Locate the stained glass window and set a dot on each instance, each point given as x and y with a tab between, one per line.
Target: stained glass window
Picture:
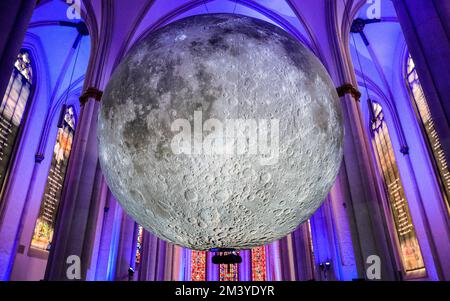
13	109
424	115
408	245
228	272
258	256
198	266
140	235
45	223
23	65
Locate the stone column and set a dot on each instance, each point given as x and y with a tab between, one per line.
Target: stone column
245	268
426	27
154	266
127	248
274	271
187	264
287	258
178	267
212	270
147	269
106	264
14	18
78	213
169	261
303	257
341	223
357	174
161	260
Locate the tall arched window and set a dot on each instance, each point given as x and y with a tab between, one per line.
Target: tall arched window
139	239
405	234
198	265
45	223
424	116
13	111
228	272
258	256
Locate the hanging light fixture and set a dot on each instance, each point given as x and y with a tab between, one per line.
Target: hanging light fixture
357	26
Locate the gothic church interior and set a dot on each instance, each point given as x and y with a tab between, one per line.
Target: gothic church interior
389	61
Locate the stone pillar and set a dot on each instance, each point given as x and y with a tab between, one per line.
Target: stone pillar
303	257
154	262
78	213
339	216
169	261
322	244
245	268
106	264
178	264
358	175
187	264
426	27
14	18
212	270
127	248
287	258
274	271
147	269
161	260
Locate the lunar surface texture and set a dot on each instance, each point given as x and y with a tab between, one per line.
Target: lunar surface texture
220	131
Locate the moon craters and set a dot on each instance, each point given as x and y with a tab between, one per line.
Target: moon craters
220	131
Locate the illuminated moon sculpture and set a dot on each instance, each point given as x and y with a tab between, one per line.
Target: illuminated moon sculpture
220	131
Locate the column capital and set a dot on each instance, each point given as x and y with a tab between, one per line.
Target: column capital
348	88
90	92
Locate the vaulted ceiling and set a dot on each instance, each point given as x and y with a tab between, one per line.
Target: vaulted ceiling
53	36
116	25
379	61
121	23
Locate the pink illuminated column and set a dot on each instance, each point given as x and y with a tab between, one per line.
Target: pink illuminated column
274	262
245	268
168	262
177	266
